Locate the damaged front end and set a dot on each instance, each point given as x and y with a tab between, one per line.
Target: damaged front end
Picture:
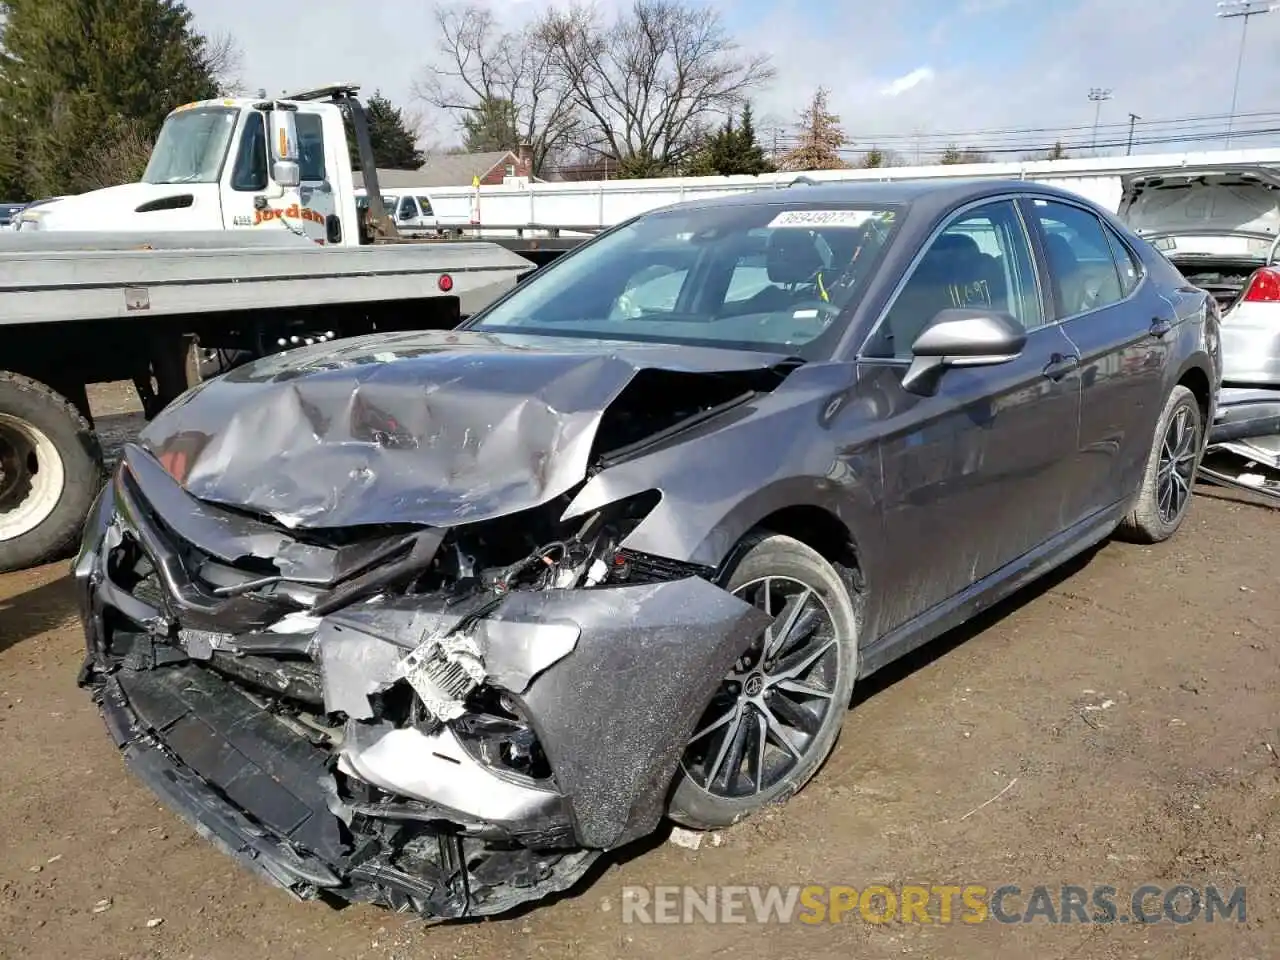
449	721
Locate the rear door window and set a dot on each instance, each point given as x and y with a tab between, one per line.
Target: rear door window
1082	264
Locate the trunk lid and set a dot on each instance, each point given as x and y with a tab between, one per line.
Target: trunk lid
1231	210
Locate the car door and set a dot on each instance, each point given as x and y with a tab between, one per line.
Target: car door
1120	328
974	476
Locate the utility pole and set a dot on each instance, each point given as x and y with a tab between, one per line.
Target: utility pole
1097	95
1129	149
1245	9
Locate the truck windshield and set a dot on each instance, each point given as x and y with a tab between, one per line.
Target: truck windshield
192	146
765	276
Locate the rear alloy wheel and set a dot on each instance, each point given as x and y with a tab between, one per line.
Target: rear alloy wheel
776	715
1170	474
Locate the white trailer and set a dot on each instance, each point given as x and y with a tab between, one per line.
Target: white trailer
605	203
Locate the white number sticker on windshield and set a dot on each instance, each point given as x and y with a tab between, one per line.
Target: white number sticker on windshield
809	219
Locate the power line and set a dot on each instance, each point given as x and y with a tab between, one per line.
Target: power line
978	147
1167	132
1119	125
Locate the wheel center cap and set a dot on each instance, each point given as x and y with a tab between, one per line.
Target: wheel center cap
753	685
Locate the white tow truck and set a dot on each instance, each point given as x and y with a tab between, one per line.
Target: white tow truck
243	238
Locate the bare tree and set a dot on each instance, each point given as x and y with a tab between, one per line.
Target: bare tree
819	139
651	84
225	62
501	85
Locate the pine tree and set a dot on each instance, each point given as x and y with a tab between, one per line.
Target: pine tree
820	139
750	154
733	150
75	73
491	125
395	146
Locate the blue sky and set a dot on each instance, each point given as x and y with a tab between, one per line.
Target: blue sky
903	74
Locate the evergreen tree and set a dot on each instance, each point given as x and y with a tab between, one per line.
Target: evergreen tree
492	125
733	150
75	73
750	157
395	145
819	136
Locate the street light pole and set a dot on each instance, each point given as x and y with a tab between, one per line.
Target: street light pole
1129	148
1097	95
1245	9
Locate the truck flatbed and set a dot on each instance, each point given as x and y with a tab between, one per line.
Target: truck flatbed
47	278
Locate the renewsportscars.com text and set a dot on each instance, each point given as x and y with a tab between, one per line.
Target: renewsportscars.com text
932	904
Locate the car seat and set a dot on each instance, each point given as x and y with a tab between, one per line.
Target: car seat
953	273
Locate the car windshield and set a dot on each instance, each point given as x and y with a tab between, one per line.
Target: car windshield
767	276
192	146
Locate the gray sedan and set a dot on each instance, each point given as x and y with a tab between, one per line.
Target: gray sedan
432	620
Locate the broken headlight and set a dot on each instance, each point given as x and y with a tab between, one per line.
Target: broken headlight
496	734
443	671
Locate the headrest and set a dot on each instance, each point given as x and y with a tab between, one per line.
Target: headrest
957	243
1059	251
792	256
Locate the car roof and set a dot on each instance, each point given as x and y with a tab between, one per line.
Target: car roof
941	195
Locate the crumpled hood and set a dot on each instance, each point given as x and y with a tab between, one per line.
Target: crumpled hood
432	428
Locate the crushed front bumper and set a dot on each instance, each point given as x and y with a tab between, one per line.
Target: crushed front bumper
286	765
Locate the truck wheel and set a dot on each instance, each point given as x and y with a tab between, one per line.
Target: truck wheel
50	472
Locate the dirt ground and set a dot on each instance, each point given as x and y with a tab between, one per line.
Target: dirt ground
1115	726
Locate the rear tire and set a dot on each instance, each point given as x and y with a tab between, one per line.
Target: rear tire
1165	494
50	473
798	708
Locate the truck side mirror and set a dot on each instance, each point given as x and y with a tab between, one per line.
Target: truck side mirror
284	134
286	173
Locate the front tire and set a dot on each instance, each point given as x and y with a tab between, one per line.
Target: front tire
1165	494
776	716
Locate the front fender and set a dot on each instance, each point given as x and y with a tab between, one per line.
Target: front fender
788	449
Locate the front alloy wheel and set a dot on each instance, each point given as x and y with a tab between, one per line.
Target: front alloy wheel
776	715
763	719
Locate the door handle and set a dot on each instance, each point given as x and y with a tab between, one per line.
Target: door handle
1061	365
1161	327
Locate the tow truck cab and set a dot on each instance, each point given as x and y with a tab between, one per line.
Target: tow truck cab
246	164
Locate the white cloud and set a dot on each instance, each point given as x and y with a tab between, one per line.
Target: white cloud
1020	65
1020	70
907	81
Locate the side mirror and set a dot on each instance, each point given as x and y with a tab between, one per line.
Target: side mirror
286	173
962	338
284	133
